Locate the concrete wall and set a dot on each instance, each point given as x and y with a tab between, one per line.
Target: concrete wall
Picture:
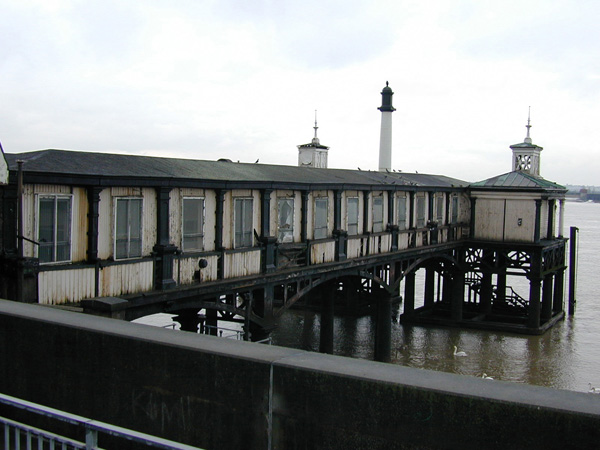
218	393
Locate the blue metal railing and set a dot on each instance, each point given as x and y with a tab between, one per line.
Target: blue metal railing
18	435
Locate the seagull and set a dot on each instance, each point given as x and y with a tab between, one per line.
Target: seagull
459	353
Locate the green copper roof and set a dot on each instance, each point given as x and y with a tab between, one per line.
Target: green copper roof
518	180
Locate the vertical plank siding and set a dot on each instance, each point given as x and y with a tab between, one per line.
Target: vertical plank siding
356	247
63	286
380	243
241	264
323	252
126	279
184	269
68	284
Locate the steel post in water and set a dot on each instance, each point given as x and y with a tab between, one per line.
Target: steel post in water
572	269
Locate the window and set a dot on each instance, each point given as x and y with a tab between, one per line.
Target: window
192	224
352	212
243	222
54	228
454	209
285	209
420	212
320	218
402	213
377	214
439	209
128	226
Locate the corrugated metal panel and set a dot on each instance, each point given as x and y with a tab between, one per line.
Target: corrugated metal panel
126	279
322	253
61	286
241	264
184	268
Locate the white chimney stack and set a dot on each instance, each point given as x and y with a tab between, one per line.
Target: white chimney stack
385	140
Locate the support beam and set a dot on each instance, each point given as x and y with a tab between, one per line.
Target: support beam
164	251
212	322
485	300
265	212
429	286
188	320
533	313
327	316
559	291
409	293
538	220
458	295
547	297
383	330
304	218
93	198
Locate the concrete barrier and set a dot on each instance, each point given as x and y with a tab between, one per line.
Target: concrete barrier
222	394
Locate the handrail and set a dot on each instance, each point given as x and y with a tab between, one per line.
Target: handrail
92	427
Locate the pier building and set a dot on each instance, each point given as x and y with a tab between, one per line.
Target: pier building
127	236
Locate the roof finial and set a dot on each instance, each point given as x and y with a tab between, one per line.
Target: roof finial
315	139
528	126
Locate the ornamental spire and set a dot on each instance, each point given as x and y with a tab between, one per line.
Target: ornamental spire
528	126
315	139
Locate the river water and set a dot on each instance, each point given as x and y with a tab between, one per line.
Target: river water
565	357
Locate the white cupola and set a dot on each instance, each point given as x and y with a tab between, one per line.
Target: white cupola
313	154
526	155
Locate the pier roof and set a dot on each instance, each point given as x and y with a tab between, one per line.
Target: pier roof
518	180
69	162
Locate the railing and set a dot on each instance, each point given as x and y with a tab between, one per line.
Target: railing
514	299
228	333
511	297
26	436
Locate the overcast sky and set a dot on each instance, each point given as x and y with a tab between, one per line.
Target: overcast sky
242	80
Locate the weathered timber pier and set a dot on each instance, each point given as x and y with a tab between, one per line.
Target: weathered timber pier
212	241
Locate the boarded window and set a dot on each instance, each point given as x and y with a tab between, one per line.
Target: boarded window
401	213
243	222
192	224
320	218
420	212
54	229
439	209
352	213
285	225
454	210
128	228
377	214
